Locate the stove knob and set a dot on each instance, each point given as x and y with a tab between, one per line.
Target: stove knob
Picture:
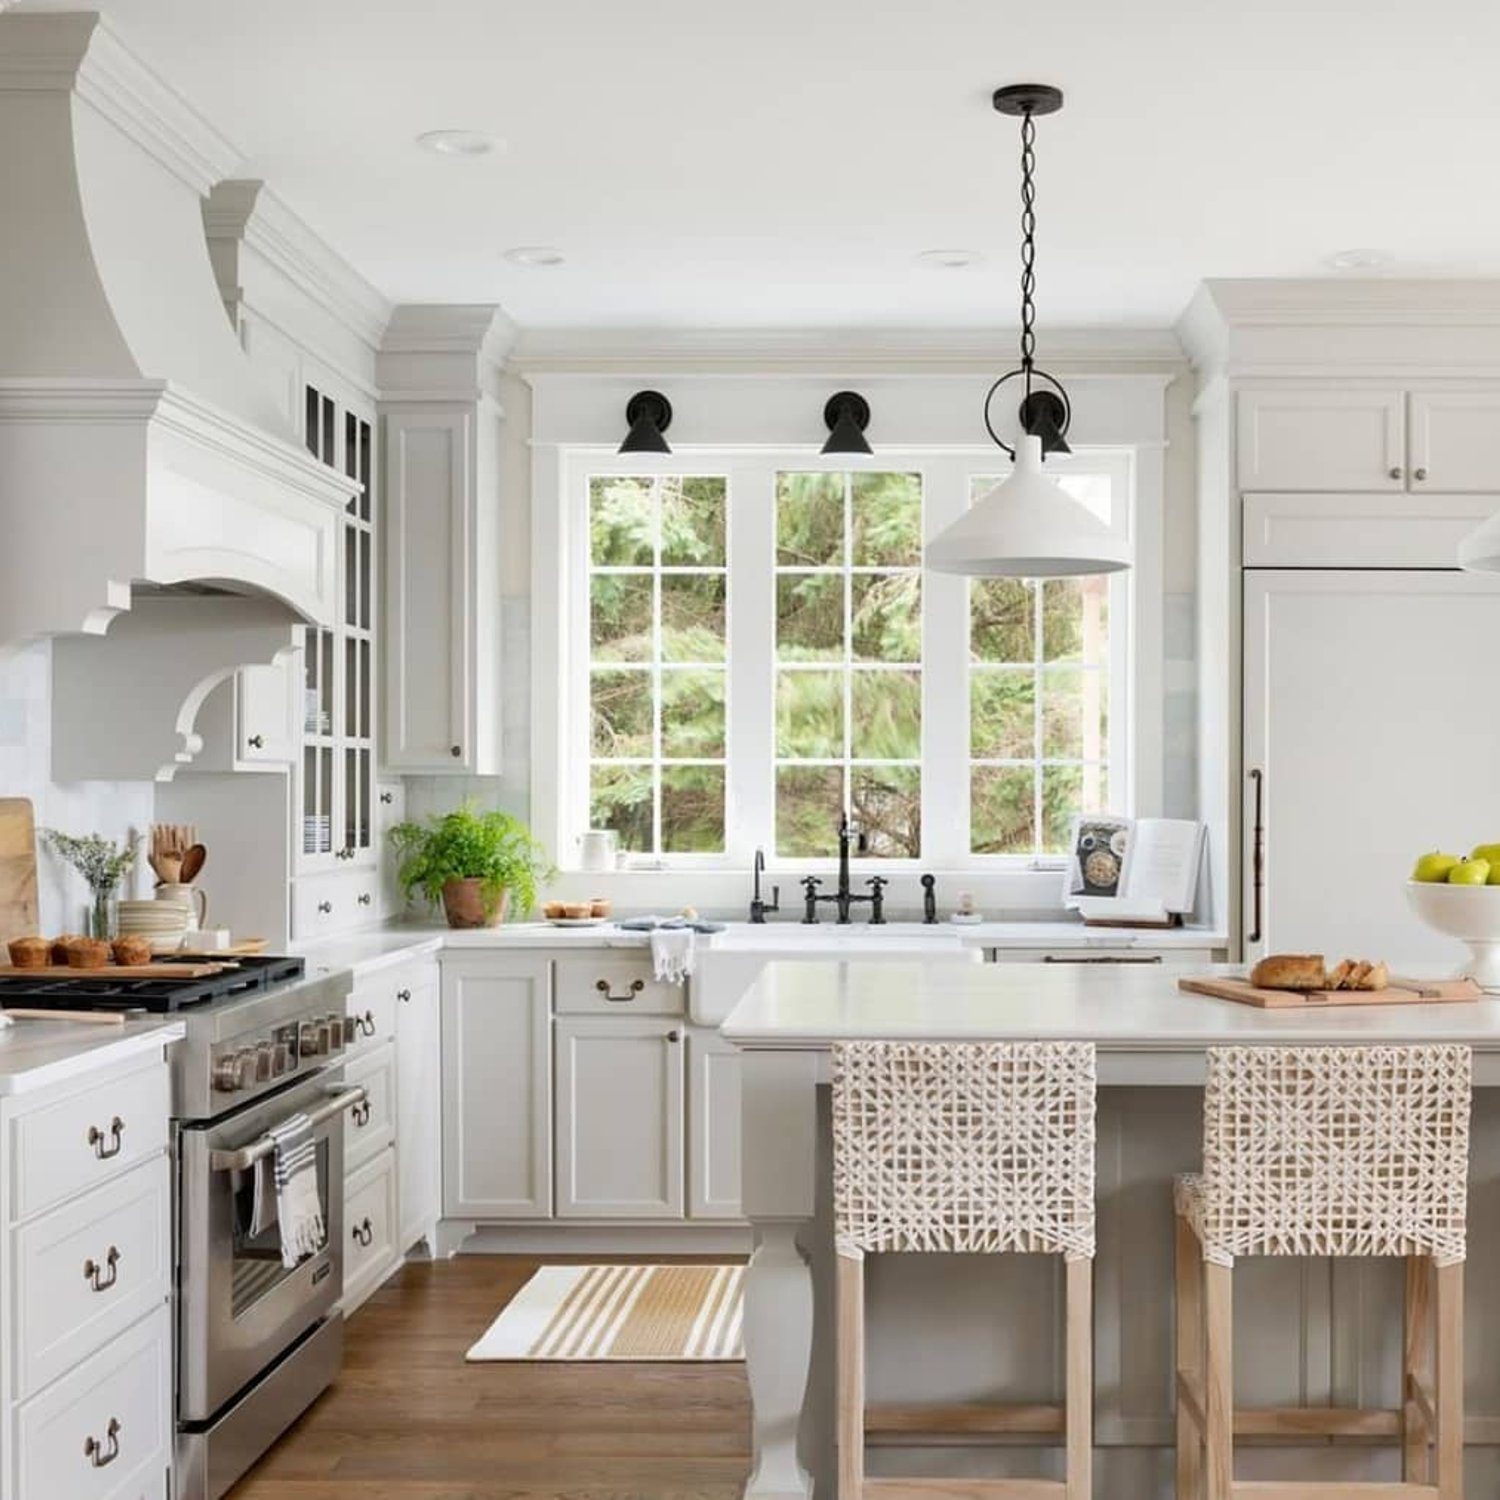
325	1038
282	1061
308	1044
265	1062
226	1074
244	1062
335	1023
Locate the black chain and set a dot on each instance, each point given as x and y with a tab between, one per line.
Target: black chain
1028	244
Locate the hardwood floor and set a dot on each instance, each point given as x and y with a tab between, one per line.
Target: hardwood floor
409	1420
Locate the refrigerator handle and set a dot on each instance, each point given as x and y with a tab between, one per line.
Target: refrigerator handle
1257	855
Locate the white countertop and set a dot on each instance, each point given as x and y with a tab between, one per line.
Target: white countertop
804	1006
36	1054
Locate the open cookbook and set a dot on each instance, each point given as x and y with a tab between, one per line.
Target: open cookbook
1133	869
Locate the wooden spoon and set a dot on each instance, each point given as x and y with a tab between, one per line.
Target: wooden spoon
192	863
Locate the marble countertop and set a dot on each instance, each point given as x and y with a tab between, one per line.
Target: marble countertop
807	1006
37	1054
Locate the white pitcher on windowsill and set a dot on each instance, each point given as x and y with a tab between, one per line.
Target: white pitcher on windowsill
596	849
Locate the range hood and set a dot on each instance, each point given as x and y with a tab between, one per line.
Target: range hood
137	444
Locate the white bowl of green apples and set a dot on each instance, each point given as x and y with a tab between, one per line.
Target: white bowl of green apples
1459	896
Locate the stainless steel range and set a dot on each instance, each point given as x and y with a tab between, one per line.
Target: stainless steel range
256	1343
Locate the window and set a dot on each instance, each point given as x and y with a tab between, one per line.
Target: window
1038	699
752	649
848	661
658	689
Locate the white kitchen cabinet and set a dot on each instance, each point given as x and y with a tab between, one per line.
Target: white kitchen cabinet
1298	529
248	723
1321	438
442	589
619	1118
1455	440
497	1086
713	1159
370	1253
1370	733
419	1065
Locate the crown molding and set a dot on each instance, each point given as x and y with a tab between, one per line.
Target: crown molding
481	329
777	351
244	211
80	53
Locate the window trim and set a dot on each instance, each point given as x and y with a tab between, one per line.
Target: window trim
1136	765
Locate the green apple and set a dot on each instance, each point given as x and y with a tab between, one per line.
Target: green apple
1490	852
1469	872
1434	867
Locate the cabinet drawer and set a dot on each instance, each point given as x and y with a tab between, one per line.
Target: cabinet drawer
369	1228
88	1270
324	904
104	1431
1359	531
377	995
370	1127
607	986
87	1138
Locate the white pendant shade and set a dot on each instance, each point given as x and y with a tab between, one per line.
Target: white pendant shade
1028	527
1479	552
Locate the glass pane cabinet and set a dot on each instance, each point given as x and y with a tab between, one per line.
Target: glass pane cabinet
337	769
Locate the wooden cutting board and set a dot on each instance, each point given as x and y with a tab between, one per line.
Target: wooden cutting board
117	971
1398	992
17	868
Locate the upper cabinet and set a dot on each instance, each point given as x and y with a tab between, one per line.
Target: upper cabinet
1298	437
442	423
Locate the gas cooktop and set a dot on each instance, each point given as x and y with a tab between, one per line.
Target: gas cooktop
96	989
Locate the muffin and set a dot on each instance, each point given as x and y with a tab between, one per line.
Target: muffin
599	907
88	953
552	910
576	910
30	952
61	945
131	951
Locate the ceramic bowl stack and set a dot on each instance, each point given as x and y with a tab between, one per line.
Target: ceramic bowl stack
162	923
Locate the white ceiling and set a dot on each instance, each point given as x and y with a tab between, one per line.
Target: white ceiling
779	163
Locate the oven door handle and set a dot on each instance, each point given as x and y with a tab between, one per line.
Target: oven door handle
263	1146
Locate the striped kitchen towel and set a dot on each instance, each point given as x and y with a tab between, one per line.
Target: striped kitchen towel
299	1205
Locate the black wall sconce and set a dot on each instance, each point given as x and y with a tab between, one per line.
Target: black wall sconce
846	416
649	414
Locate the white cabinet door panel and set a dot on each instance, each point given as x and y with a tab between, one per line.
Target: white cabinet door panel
497	1087
1372	709
1299	530
1313	439
1455	441
713	1126
619	1118
418	1109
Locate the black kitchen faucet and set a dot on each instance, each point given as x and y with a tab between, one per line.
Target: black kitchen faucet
843	897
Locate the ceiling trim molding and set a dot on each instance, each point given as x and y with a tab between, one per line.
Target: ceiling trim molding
245	211
80	53
483	329
747	351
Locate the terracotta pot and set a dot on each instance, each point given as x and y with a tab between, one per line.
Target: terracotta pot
466	905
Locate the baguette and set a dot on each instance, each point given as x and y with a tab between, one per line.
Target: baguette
1290	971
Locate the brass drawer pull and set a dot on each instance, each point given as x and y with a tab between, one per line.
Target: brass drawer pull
91	1271
636	986
361	1113
364	1233
96	1139
95	1451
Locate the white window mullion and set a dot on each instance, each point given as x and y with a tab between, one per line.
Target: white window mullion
750	772
945	680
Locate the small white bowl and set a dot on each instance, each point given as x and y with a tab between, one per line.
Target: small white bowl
1470	913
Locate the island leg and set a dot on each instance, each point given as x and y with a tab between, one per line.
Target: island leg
779	1160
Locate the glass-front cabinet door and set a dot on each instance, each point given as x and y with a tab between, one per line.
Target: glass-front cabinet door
337	769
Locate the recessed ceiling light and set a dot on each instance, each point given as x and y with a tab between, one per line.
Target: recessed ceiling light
534	255
949	260
457	142
1359	259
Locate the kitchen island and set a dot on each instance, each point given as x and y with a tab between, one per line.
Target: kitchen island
955	1329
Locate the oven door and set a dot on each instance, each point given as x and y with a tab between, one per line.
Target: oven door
238	1307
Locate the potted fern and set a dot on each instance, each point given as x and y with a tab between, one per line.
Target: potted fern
479	865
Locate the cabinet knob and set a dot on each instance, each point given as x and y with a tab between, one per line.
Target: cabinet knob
326	907
256	742
404	996
386	798
364	898
674	1035
1395	471
456	751
1419	473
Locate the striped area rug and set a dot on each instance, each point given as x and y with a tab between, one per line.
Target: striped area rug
620	1313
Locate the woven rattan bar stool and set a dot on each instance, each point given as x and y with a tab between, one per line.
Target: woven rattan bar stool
965	1148
1327	1151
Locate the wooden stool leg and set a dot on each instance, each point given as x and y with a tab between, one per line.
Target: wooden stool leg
1080	1380
1218	1399
850	1375
1416	1368
1189	1318
1450	1381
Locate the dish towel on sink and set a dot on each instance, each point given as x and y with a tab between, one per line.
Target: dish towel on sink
299	1205
672	953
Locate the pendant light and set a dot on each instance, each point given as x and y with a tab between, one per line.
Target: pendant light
1028	526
